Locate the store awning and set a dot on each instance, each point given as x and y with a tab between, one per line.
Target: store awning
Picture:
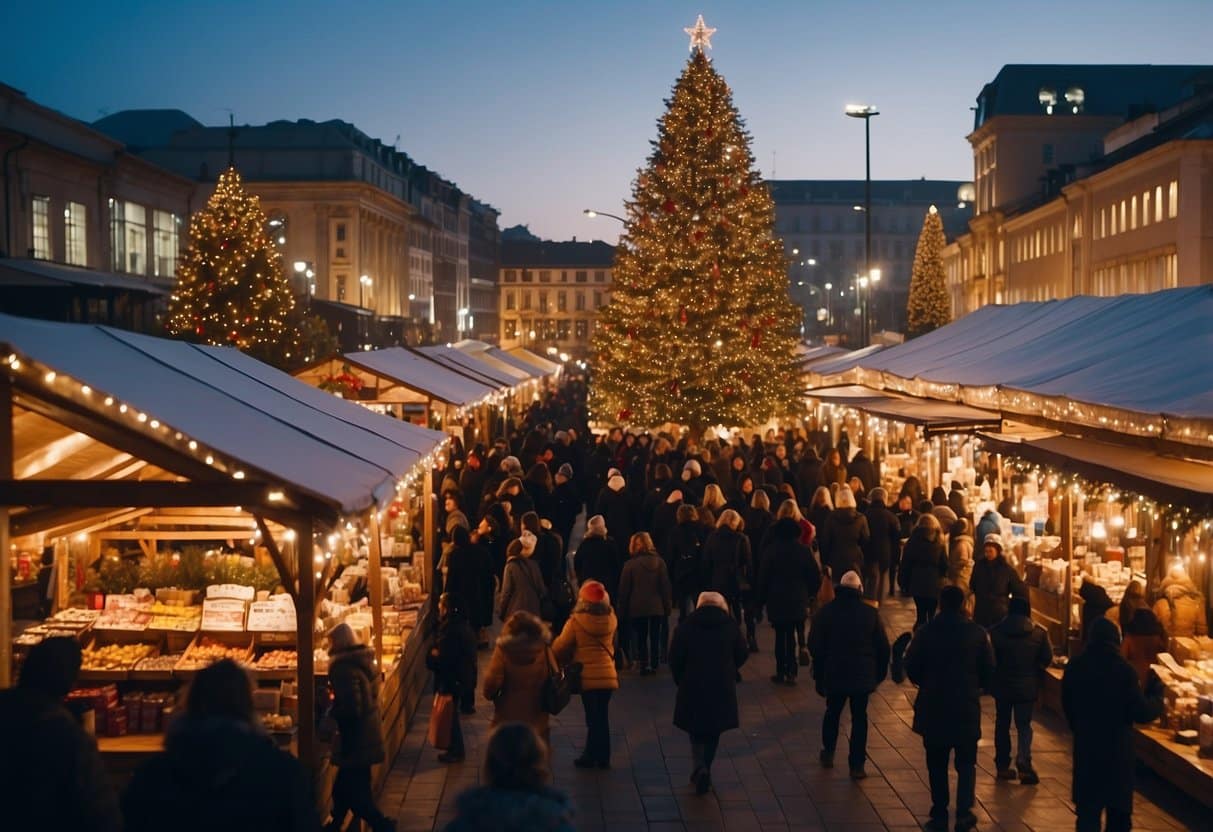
932	416
512	367
256	423
423	375
1165	478
21	272
548	367
471	366
809	356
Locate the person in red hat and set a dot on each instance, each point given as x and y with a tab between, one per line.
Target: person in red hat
589	638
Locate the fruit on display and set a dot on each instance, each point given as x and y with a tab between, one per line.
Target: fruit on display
277	722
159	663
175	610
278	660
115	656
207	651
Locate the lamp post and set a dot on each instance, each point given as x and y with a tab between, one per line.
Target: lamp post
304	269
829	305
591	213
866	112
363	282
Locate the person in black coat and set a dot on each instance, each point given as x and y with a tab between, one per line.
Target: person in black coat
614	503
705	654
51	775
924	563
788	577
951	661
565	505
219	769
850	658
453	661
1102	699
684	556
808	476
1022	652
727	563
598	557
992	583
844	536
469	576
884	542
907	519
862	467
654	499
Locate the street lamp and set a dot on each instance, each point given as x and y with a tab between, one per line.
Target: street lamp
591	213
866	112
363	282
829	312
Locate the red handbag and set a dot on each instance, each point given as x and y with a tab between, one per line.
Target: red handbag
441	716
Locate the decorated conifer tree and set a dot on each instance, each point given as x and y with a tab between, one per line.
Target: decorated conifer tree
700	329
232	289
928	306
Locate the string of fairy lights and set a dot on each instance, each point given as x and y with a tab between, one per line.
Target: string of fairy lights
700	328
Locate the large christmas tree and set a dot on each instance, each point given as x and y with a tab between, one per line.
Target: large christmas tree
928	306
700	329
232	288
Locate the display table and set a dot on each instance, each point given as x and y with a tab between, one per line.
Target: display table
1177	764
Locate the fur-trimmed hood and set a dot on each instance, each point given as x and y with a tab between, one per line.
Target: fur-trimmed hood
1173	587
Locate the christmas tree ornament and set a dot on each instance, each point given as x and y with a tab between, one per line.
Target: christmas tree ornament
701	35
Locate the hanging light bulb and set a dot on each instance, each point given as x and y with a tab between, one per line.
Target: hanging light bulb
1099	531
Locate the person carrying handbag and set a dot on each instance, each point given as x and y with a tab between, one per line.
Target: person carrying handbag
517	673
522	587
453	661
587	638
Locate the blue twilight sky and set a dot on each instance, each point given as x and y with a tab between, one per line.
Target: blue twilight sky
545	108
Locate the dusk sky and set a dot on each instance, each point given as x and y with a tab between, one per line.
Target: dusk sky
542	109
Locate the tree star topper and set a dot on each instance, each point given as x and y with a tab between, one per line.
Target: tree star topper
701	35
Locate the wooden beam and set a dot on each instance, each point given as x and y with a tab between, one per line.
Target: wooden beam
305	617
169	534
271	545
156	494
6	579
374	578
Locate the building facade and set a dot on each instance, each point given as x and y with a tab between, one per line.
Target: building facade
822	225
1089	180
550	294
91	231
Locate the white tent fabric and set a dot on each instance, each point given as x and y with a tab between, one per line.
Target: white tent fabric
1136	363
481	353
461	362
419	372
273	427
523	354
497	356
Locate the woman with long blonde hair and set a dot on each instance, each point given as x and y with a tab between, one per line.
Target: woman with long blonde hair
728	567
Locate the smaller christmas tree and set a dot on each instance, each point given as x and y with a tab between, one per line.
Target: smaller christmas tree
928	306
232	289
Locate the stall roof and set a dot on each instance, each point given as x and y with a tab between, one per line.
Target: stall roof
1144	354
933	415
482	350
420	373
479	351
275	428
1168	478
470	365
548	367
812	355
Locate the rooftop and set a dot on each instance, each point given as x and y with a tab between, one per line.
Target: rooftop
527	253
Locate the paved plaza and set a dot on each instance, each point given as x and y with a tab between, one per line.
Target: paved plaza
767	776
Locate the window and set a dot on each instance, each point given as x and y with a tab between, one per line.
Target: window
562	302
1133	213
545	276
582	329
340	232
75	233
1145	208
580	277
165	242
1112	223
600	276
339	239
1103	224
511	275
597	299
543	302
1124	218
341	281
1046	154
562	329
128	234
41	243
511	301
579	301
511	328
1173	200
526	299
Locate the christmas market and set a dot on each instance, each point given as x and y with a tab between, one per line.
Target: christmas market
183	504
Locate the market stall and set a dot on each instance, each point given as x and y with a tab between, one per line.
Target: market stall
193	504
550	368
521	388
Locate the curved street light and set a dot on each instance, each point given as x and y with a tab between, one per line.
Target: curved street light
591	213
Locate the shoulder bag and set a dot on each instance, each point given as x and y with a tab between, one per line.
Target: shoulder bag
559	686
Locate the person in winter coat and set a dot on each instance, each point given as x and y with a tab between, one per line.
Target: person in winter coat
850	658
522	586
993	582
1022	653
705	655
728	568
820	509
683	553
539	487
471	482
1102	700
757	519
809	475
844	537
645	598
1181	609
960	555
1095	605
907	519
219	770
355	683
517	671
588	638
693	482
565	505
924	563
547	556
516	795
493	534
990	523
598	558
1133	600
862	467
453	661
835	468
911	488
614	503
951	661
788	578
469	577
808	536
51	775
1143	639
659	489
665	519
885	540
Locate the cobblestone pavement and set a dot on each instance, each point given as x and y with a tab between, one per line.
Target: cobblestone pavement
767	775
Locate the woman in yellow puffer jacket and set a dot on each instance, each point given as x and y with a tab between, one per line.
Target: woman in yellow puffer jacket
589	638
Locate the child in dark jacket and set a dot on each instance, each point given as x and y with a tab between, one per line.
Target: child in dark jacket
453	660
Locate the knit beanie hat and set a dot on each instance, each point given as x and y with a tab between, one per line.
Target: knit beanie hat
592	592
712	599
614	472
565	471
993	540
691	469
342	638
851	579
596	526
511	465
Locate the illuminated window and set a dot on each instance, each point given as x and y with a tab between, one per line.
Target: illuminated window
1133	213
543	300
511	301
75	233
1173	200
1145	208
41	236
582	329
579	301
562	302
128	236
511	328
1158	203
165	242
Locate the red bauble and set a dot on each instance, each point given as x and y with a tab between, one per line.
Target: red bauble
668	206
756	340
682	315
393	510
744	191
709	133
728	391
631	335
624	415
715	270
698	235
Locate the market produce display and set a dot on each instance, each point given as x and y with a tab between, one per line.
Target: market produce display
115	656
278	660
207	651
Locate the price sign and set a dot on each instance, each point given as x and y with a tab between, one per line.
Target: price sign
121	602
223	615
271	617
243	593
